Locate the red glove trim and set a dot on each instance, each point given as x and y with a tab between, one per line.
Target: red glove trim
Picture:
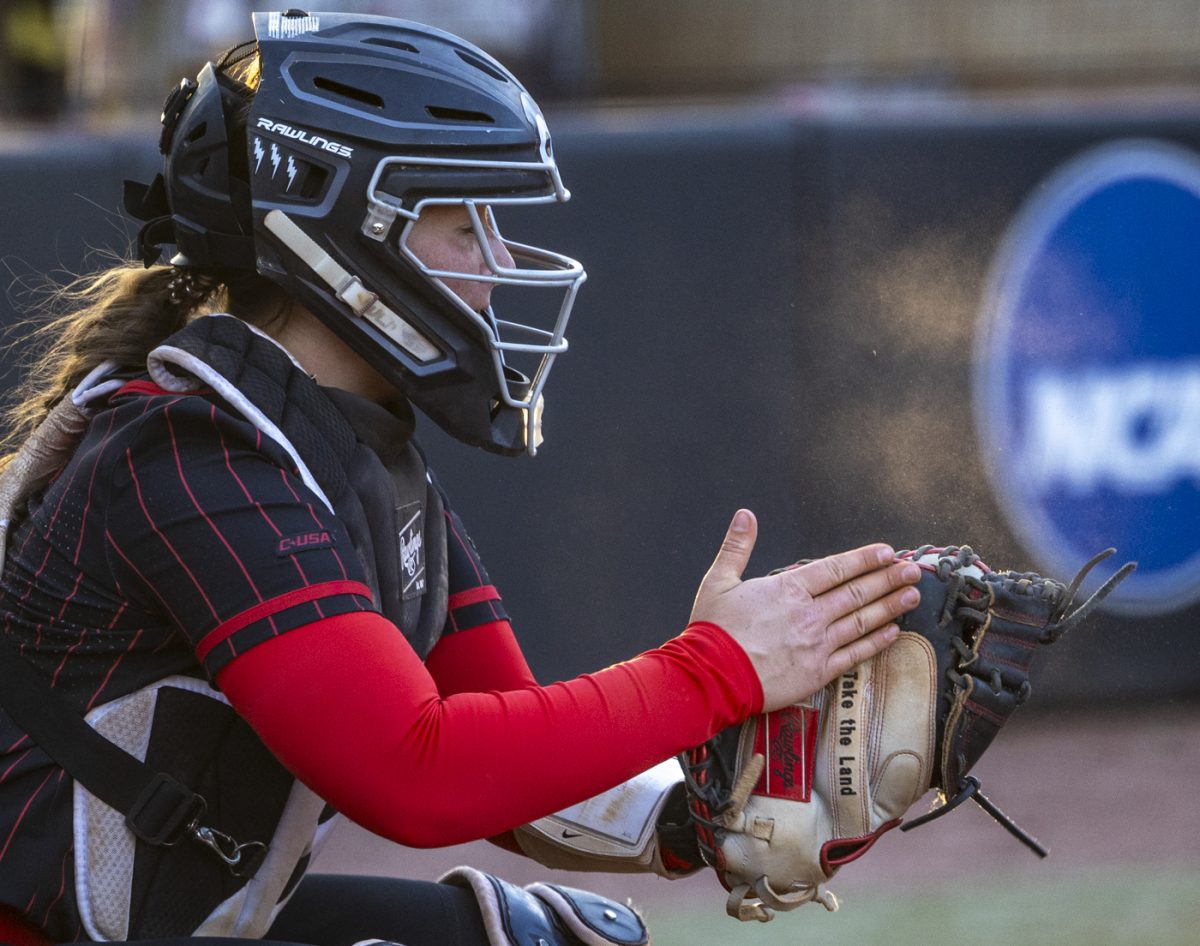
841	851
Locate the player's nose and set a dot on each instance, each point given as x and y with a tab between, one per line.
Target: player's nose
500	251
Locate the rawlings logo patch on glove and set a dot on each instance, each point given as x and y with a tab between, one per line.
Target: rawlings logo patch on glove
783	800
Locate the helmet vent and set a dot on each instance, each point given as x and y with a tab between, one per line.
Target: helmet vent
314	182
198	132
392	43
347	91
481	65
459	115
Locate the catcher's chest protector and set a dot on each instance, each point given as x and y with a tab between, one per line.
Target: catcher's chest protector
356	455
359	460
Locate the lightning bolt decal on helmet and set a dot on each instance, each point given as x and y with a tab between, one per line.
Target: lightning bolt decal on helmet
359	124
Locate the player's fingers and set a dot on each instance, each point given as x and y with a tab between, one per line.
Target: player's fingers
861	591
860	649
735	551
859	623
833	570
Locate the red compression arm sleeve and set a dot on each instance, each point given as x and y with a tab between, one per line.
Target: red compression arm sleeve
479	659
350	709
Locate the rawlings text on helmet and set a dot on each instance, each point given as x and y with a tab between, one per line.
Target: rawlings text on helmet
308	138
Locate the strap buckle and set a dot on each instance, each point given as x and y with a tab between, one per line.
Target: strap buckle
243	860
165	811
177	100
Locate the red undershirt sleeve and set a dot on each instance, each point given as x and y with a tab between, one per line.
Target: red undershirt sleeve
350	709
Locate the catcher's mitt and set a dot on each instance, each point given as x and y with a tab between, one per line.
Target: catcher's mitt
783	800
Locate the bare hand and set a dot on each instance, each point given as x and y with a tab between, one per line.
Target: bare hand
805	626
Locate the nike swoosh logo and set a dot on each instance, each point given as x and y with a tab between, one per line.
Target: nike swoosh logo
571	834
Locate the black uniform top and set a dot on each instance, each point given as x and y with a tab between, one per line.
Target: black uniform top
176	538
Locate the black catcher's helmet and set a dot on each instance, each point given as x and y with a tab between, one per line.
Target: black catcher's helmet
358	124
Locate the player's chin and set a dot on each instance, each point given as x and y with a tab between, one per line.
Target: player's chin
477	296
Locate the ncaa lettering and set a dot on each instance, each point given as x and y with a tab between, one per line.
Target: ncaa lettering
1088	383
1135	429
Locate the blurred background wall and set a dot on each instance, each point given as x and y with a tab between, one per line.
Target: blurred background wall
715	48
106	59
794	216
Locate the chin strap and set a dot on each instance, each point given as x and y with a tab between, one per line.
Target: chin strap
349	289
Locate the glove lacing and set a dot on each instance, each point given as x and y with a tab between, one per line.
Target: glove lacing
765	900
1061	624
711	814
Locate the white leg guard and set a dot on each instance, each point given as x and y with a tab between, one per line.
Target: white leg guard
548	914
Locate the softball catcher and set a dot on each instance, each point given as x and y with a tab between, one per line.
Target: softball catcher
238	602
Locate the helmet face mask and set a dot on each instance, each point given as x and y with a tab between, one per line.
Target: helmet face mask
358	126
523	352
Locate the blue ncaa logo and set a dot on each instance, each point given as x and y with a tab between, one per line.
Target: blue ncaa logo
1087	391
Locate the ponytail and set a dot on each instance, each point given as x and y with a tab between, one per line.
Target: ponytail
119	314
122	313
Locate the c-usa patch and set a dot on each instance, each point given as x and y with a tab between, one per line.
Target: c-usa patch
303	542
